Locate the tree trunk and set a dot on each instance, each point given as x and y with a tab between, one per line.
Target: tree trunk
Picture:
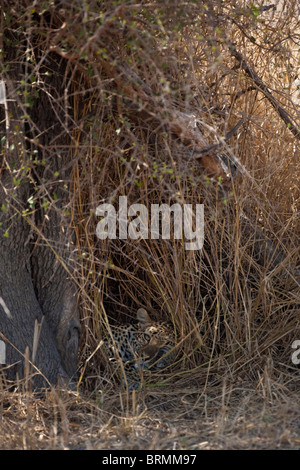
39	319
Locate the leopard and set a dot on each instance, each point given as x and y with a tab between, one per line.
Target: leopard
135	348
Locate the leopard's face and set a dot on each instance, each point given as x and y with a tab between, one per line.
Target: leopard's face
158	352
149	345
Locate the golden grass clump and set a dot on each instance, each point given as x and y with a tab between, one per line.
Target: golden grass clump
236	300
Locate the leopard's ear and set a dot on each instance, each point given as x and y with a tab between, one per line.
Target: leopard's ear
143	317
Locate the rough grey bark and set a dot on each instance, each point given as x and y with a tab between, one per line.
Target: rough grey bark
35	245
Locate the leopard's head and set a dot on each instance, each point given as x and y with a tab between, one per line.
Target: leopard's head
159	339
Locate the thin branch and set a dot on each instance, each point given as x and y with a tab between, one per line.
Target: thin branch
215	147
265	90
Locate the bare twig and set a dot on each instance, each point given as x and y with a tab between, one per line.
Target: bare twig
215	147
265	90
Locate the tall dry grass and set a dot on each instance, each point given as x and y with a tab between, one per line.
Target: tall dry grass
234	305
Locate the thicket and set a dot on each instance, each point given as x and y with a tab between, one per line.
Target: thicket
154	92
155	86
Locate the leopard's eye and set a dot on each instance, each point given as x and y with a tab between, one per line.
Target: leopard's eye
147	337
152	330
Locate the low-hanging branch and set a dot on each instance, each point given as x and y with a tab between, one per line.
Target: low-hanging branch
141	103
265	90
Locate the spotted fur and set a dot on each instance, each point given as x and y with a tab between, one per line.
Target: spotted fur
134	348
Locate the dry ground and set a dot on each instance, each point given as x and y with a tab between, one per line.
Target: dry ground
228	416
